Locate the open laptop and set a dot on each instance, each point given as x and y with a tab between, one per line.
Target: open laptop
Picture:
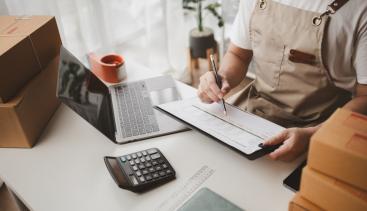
122	112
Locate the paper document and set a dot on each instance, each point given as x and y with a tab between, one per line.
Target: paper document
241	130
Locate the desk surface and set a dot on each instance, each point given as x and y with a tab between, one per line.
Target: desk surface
65	170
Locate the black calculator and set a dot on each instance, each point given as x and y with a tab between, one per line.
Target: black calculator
140	171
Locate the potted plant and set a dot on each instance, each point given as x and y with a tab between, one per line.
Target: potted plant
202	38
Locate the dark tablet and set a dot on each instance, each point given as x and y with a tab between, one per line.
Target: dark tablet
293	181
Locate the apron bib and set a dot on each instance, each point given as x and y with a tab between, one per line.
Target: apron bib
292	86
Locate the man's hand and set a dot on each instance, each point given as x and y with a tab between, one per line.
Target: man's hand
209	91
232	71
295	142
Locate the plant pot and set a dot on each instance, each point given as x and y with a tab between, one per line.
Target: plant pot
200	41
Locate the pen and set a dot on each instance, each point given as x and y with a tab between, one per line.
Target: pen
218	81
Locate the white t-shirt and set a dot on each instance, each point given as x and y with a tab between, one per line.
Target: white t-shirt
345	49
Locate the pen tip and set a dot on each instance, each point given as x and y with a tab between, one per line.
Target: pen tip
225	113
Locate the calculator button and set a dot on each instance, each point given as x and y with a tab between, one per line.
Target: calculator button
148	177
164	166
135	168
123	159
155	156
141	179
142	160
145	171
144	153
154	163
147	158
134	156
152	151
162	173
168	171
139	154
137	161
141	166
151	169
132	162
148	164
134	180
158	168
128	157
138	173
155	175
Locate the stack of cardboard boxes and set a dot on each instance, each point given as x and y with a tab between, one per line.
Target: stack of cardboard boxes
29	50
335	177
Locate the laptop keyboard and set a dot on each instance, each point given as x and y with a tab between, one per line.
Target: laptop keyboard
136	113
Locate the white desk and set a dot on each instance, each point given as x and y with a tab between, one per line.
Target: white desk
65	170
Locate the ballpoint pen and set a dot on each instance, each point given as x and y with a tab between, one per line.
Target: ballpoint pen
218	81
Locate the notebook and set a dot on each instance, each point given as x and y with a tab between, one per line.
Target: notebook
207	200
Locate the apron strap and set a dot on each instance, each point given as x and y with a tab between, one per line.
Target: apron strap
331	9
336	5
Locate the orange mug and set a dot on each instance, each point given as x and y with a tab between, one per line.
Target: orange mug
109	68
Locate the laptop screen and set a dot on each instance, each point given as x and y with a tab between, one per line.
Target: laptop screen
83	92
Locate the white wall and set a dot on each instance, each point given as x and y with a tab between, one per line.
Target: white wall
3	8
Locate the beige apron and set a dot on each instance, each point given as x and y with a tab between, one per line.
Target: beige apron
292	86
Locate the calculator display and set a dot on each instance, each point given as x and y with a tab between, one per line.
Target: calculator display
115	170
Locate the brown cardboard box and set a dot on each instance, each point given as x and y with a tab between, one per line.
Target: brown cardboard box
25	116
339	148
299	203
28	44
9	201
330	193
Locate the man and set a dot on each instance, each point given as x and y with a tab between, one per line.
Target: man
309	59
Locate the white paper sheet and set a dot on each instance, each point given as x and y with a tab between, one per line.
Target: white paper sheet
241	130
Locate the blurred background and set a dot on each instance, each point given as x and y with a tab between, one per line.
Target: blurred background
153	32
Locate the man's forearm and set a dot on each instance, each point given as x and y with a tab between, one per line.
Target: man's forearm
359	102
234	65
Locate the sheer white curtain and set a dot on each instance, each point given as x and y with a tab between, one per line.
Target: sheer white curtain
151	31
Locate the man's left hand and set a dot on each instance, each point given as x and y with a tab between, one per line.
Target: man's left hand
295	142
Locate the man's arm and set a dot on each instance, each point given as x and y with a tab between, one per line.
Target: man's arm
296	140
235	64
359	101
232	71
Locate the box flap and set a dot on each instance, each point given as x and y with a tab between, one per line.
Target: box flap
6	21
9	42
22	25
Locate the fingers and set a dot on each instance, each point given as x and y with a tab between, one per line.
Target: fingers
295	143
280	138
225	87
284	153
208	90
216	91
203	96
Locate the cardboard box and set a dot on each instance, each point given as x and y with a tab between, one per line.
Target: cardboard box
299	203
25	116
339	148
28	44
9	201
330	193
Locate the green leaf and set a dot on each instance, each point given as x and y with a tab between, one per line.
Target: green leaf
189	8
212	9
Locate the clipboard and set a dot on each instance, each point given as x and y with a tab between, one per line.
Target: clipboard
241	131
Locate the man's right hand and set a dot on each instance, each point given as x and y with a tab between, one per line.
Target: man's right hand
209	91
232	71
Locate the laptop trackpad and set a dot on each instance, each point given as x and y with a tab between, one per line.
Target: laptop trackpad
164	95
